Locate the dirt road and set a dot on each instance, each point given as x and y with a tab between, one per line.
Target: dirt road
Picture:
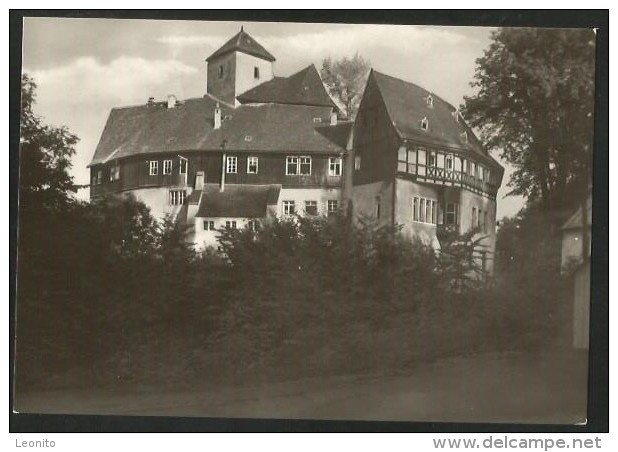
541	388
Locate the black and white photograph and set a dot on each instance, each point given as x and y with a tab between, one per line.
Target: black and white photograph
249	219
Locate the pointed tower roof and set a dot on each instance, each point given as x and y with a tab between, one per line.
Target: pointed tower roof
302	88
242	42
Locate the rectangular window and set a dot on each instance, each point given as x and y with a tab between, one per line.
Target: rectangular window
291	166
305	166
411	161
153	168
177	197
334	166
209	225
434	212
289	208
99	177
478	224
114	173
422	159
311	207
431	159
378	207
357	162
421	211
252	165
231	165
448	162
220	72
256	73
474	218
485	221
230	224
402	164
415	209
252	225
183	166
451	213
427	211
167	167
332	206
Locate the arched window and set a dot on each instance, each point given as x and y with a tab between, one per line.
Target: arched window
429	101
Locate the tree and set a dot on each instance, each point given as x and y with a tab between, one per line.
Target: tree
345	79
535	104
45	158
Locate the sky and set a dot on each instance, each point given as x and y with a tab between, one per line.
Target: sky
85	67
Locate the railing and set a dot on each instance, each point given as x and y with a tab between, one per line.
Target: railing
442	175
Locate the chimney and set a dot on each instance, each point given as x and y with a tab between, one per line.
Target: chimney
217	116
171	101
199	180
222	186
333	118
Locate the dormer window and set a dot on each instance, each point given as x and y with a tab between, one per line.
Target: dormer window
424	123
456	115
256	73
248	138
464	136
429	101
317	120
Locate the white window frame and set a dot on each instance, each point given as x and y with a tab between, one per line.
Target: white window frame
114	173
329	206
167	167
209	225
231	163
313	204
292	162
252	159
335	166
424	123
357	162
230	224
430	101
153	167
177	197
454	212
287	206
303	160
183	164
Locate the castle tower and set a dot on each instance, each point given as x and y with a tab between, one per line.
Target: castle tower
237	66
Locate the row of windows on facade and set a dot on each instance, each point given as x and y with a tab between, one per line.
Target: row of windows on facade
211	225
294	165
256	72
421	161
426	211
310	207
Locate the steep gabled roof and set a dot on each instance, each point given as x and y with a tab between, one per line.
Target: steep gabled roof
242	42
147	129
302	88
339	134
575	221
407	105
237	201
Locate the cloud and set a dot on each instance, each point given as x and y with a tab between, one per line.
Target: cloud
81	93
122	80
346	41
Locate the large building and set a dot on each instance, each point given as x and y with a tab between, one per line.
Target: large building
257	145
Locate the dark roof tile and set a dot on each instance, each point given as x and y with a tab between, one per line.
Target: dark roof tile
189	127
407	105
303	88
237	201
242	42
